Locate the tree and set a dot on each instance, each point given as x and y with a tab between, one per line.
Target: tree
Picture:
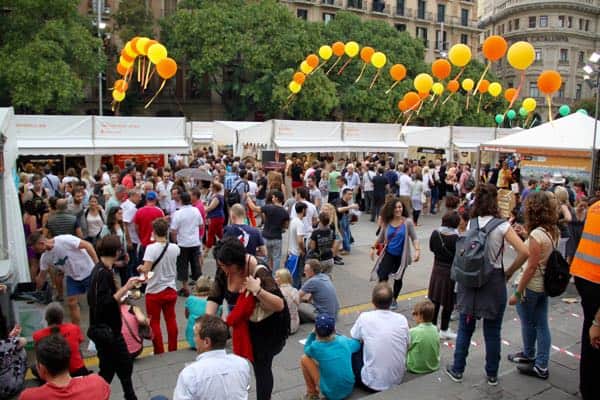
45	65
133	18
588	105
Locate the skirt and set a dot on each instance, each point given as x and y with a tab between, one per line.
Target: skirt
441	287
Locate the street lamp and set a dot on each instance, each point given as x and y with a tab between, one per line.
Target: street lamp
593	71
101	26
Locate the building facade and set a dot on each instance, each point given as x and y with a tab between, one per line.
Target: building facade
564	34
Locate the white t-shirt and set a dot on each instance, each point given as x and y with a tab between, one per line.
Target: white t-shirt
66	256
252	188
405	184
368	181
386	337
186	221
296	229
311	212
129	210
495	240
165	271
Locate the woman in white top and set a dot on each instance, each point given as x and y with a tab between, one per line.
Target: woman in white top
88	179
416	197
92	220
115	226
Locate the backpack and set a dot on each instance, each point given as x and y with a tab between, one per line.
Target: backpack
556	275
470	182
233	196
470	267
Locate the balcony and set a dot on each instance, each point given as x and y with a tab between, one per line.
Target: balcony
457	21
332	3
403	13
357	5
423	15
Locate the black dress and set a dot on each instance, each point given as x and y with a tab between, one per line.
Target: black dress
441	287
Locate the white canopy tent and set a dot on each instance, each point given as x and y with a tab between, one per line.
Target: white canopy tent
201	132
53	134
307	136
375	137
461	138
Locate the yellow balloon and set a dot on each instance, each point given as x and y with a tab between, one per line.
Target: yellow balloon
118	96
140	45
157	52
423	83
351	49
325	52
529	104
467	84
459	55
378	59
521	55
130	51
294	87
437	88
125	63
304	67
495	89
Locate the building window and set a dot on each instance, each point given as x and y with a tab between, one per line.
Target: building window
578	91
564	56
569	22
538	54
464	17
355	4
543	21
587	25
580	24
464	38
561	91
302	13
509	26
533	90
561	21
378	5
581	58
441	13
328	17
401	27
421	6
516	24
441	42
532	21
399	7
422	34
328	2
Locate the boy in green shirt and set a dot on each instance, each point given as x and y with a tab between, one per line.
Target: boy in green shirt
424	350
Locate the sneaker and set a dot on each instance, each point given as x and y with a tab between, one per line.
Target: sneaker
394	305
311	396
520	358
534	370
492	380
454	316
338	261
447	335
455	376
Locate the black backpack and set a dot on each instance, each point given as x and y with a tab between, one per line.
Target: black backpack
556	275
233	196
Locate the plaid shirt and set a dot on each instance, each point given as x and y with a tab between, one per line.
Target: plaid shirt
230	179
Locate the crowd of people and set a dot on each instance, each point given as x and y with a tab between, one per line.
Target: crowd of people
276	238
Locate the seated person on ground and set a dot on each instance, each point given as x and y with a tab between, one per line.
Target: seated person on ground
424	350
291	295
317	294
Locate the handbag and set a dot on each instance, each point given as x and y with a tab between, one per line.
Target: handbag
100	334
259	313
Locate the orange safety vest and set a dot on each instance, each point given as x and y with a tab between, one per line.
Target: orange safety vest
586	263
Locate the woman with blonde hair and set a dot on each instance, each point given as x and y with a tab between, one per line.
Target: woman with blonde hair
88	179
275	182
291	296
334	225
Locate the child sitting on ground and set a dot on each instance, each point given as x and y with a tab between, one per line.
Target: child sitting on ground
327	361
195	307
424	351
290	293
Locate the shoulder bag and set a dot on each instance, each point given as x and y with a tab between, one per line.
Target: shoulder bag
100	333
259	312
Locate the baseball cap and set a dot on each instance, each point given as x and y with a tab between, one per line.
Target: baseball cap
324	325
151	196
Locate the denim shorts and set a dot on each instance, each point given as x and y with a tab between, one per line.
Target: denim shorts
75	288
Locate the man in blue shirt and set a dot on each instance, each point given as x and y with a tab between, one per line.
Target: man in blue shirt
318	294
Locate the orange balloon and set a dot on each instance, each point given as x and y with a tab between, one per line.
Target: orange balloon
398	72
549	82
441	68
494	47
483	86
299	78
453	86
149	44
121	85
134	42
338	48
411	99
312	60
402	106
423	95
122	70
509	94
166	68
366	53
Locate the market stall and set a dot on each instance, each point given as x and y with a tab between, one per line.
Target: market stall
307	136
364	137
201	132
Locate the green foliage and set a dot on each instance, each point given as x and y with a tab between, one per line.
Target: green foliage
44	65
134	18
587	104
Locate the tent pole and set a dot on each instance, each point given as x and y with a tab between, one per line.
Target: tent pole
451	145
478	177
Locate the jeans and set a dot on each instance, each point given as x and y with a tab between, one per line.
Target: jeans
115	358
590	357
345	228
155	303
274	253
533	312
188	256
435	196
368	201
491	336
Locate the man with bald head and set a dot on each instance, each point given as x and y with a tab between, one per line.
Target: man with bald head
63	222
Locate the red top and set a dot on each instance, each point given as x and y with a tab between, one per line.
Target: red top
200	206
127	181
238	320
80	388
144	217
73	336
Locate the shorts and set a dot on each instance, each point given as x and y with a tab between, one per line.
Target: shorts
76	288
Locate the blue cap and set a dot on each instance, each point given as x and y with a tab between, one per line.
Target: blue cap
151	196
324	325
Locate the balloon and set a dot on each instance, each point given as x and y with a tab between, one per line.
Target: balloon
453	86
124	62
166	68
402	106
411	99
437	88
511	114
378	60
564	110
126	56
499	119
441	68
120	85
459	55
351	49
582	111
468	84
304	67
338	48
423	83
366	53
398	72
134	41
140	45
157	52
484	86
549	82
299	78
423	95
495	89
122	69
529	104
149	43
509	94
521	55
130	51
118	96
294	87
312	60
494	47
325	52
523	112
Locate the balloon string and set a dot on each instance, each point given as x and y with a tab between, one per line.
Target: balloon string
147	75
154	97
138	68
344	66
436	102
143	73
333	66
468	97
362	70
420	106
529	116
398	119
487	67
289	101
459	73
518	91
318	66
150	77
392	87
374	78
549	101
447	98
406	122
479	102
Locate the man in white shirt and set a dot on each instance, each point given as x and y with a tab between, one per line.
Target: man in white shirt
215	374
311	217
385	337
405	184
185	231
367	186
295	258
352	178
